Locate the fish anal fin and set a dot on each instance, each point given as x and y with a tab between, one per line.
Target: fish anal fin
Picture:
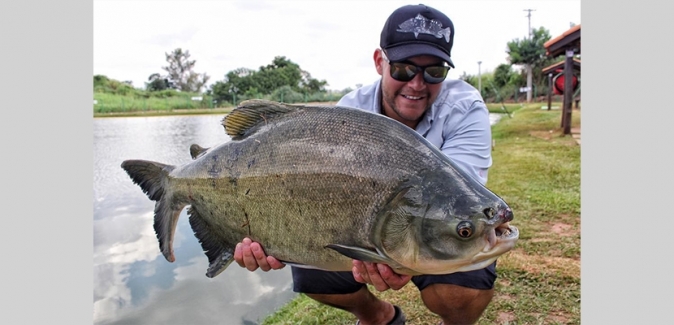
220	263
219	253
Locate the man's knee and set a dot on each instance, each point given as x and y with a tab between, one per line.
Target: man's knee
459	304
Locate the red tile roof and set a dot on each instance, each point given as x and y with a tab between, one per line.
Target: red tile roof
570	38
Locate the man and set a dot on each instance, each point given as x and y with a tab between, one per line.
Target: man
413	61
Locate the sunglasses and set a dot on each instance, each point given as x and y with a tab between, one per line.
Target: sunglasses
402	71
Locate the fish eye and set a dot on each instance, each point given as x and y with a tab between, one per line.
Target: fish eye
465	229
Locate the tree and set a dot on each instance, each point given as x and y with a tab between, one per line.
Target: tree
281	72
502	75
180	72
244	83
311	85
157	82
472	80
529	52
236	82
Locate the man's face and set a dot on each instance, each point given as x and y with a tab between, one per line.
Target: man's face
407	101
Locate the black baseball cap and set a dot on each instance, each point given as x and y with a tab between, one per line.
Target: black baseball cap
417	30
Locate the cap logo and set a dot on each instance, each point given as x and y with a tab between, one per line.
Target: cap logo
422	25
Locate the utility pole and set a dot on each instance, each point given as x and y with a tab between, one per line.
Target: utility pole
529	16
528	66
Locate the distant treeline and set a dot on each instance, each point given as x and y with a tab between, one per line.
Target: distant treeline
113	96
284	80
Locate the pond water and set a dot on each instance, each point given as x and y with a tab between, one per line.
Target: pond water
133	283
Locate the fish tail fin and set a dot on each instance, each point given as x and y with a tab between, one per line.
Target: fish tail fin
152	177
219	253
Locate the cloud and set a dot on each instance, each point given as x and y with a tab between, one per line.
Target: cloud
328	39
112	261
171	40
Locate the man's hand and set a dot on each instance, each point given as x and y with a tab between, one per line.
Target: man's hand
381	276
250	255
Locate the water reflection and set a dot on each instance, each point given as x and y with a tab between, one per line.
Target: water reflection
133	283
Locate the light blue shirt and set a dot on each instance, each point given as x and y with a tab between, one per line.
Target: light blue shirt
457	123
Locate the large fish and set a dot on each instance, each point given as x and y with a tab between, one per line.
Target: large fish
320	186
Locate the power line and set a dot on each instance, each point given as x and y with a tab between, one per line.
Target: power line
529	16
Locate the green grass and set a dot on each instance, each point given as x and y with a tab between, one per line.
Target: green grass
537	171
498	108
164	103
111	104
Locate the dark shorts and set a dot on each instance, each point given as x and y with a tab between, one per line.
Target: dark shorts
325	282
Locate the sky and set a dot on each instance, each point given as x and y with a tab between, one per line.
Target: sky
332	40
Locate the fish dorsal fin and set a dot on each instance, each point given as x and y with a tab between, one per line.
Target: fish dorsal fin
250	113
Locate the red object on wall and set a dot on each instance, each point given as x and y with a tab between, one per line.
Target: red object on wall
558	82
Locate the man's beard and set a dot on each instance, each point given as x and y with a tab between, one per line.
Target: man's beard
390	101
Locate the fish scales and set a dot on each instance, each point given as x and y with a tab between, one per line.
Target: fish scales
278	182
300	179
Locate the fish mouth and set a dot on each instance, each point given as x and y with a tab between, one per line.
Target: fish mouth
503	237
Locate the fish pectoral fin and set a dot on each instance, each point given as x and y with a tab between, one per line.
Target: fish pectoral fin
300	265
366	255
219	253
361	254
